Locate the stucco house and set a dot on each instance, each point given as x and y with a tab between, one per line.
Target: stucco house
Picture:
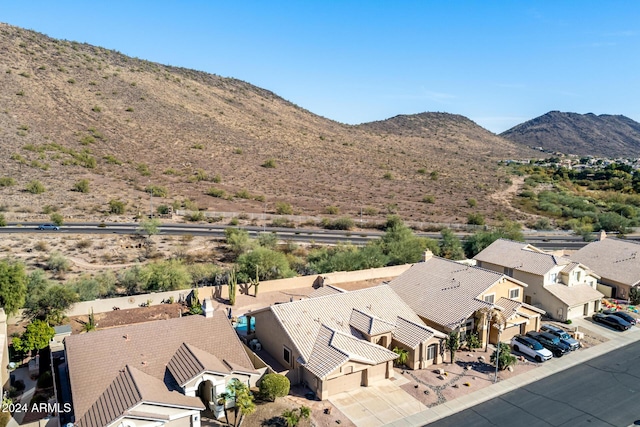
450	296
564	288
162	372
616	261
337	341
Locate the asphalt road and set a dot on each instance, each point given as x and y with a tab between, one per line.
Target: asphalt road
541	240
602	392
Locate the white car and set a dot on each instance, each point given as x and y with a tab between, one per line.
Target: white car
531	348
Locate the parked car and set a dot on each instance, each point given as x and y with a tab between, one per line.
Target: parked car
613	321
531	348
48	227
625	316
550	342
565	338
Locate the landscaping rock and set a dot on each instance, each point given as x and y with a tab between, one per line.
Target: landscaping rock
441	377
510	368
481	359
468	367
440	371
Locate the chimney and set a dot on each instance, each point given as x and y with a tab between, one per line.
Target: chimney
603	235
427	255
207	307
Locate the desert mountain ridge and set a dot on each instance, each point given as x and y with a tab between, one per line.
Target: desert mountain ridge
581	134
73	111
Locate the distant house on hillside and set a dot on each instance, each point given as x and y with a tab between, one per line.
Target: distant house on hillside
338	341
449	296
163	372
565	289
616	261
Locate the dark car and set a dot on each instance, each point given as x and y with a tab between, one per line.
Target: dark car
48	227
550	342
565	338
625	316
613	321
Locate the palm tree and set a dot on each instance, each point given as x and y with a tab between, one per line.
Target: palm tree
244	405
403	356
223	398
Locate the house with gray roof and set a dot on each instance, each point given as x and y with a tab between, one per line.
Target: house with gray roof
341	340
616	261
564	288
450	296
162	372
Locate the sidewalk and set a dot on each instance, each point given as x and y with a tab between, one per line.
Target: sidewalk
616	340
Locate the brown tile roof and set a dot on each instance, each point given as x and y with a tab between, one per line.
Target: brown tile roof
128	389
444	291
520	256
96	358
333	348
574	295
613	259
302	320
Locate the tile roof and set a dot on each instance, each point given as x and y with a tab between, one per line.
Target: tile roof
96	358
520	256
412	334
333	348
574	295
302	320
129	388
444	291
326	290
369	324
510	307
613	259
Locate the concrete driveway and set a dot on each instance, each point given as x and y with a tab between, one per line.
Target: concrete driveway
379	404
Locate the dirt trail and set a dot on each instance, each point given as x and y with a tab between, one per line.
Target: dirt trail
504	198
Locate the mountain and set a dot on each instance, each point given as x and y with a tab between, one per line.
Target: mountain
72	111
582	134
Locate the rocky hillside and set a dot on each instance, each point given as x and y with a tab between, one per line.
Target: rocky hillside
581	134
72	112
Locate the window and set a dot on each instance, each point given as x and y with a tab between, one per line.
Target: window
508	271
490	298
287	355
553	277
431	351
514	293
577	276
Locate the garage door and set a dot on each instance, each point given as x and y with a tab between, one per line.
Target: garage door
377	373
344	383
506	335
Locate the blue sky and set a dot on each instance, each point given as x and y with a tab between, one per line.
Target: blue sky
499	63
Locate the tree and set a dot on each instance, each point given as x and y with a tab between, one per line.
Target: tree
13	285
150	227
400	245
36	337
53	303
477	242
505	359
163	276
450	245
634	295
244	404
273	386
270	264
403	356
453	344
238	241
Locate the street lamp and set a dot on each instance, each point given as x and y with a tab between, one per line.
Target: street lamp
499	323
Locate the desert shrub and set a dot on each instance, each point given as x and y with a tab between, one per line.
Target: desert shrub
434	175
243	194
282	222
35	187
428	199
542	224
117	207
3	221
112	160
163	209
332	210
283	208
143	169
156	190
343	223
387	175
84	243
56	218
370	211
475	219
269	164
273	386
196	216
422	171
58	263
216	192
7	181
472	202
81	186
505	358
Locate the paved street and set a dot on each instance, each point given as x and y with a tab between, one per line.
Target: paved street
601	392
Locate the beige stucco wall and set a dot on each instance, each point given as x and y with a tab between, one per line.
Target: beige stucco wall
273	338
501	290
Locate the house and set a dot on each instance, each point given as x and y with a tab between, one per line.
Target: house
338	341
450	296
162	372
616	261
564	288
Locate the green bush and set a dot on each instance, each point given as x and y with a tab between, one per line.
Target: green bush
58	263
117	207
45	380
428	199
35	187
216	192
143	169
273	386
81	186
57	219
344	223
269	164
156	190
283	208
163	209
6	181
3	221
332	210
475	219
243	194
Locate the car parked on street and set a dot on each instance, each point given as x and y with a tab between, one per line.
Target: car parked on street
625	316
550	342
48	227
610	320
564	336
531	348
